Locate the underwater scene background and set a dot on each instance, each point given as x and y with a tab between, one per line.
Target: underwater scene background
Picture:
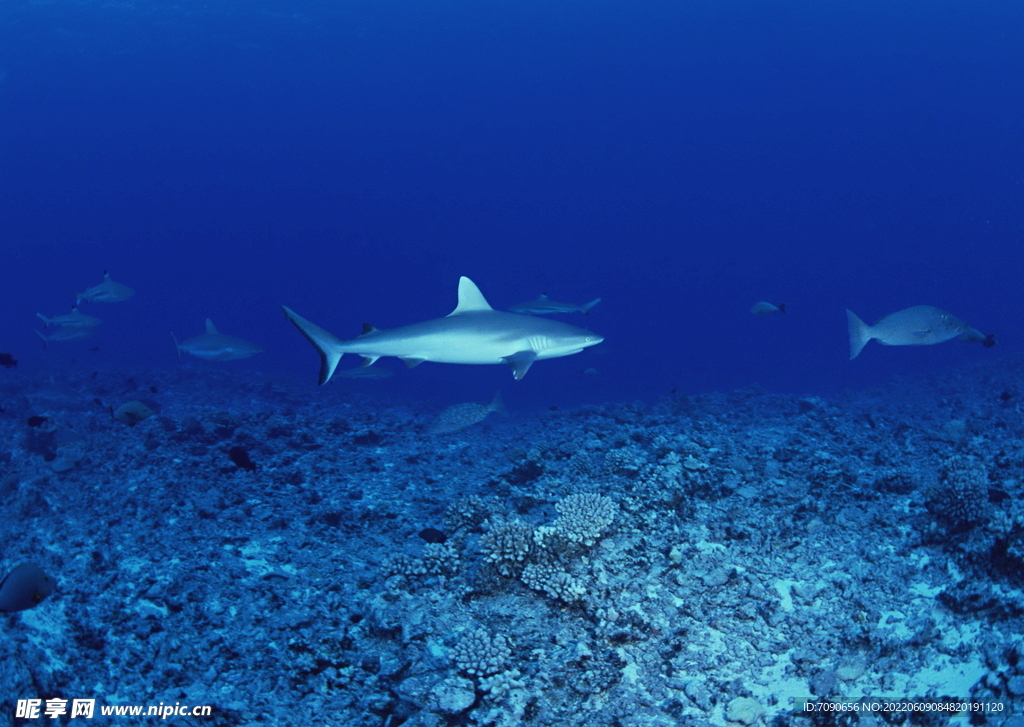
710	517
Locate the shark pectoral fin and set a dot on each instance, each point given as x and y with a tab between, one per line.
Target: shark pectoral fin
411	361
369	360
327	344
520	362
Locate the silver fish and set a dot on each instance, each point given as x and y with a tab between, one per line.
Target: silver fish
921	325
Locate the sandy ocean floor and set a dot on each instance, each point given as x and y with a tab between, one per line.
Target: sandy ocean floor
295	556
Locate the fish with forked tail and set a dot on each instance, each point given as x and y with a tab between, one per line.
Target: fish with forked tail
920	325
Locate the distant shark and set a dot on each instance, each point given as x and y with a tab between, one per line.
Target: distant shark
106	292
215	346
473	333
67	333
542	305
73	319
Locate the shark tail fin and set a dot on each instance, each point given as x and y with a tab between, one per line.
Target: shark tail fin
177	346
586	307
327	344
497	405
781	307
860	333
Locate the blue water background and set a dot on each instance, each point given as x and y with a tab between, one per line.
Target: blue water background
681	160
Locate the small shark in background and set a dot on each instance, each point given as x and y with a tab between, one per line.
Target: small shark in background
106	292
473	333
215	346
543	305
73	319
67	333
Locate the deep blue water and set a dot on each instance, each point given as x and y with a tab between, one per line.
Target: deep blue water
681	160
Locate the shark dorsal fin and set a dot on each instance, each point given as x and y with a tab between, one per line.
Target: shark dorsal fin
210	328
470	298
367	328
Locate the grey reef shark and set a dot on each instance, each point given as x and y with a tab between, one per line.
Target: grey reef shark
212	345
473	333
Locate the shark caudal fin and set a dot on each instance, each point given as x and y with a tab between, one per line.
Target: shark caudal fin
327	344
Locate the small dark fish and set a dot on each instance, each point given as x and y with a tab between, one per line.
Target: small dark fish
973	335
35	421
241	459
24	587
433	535
131	413
7	360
